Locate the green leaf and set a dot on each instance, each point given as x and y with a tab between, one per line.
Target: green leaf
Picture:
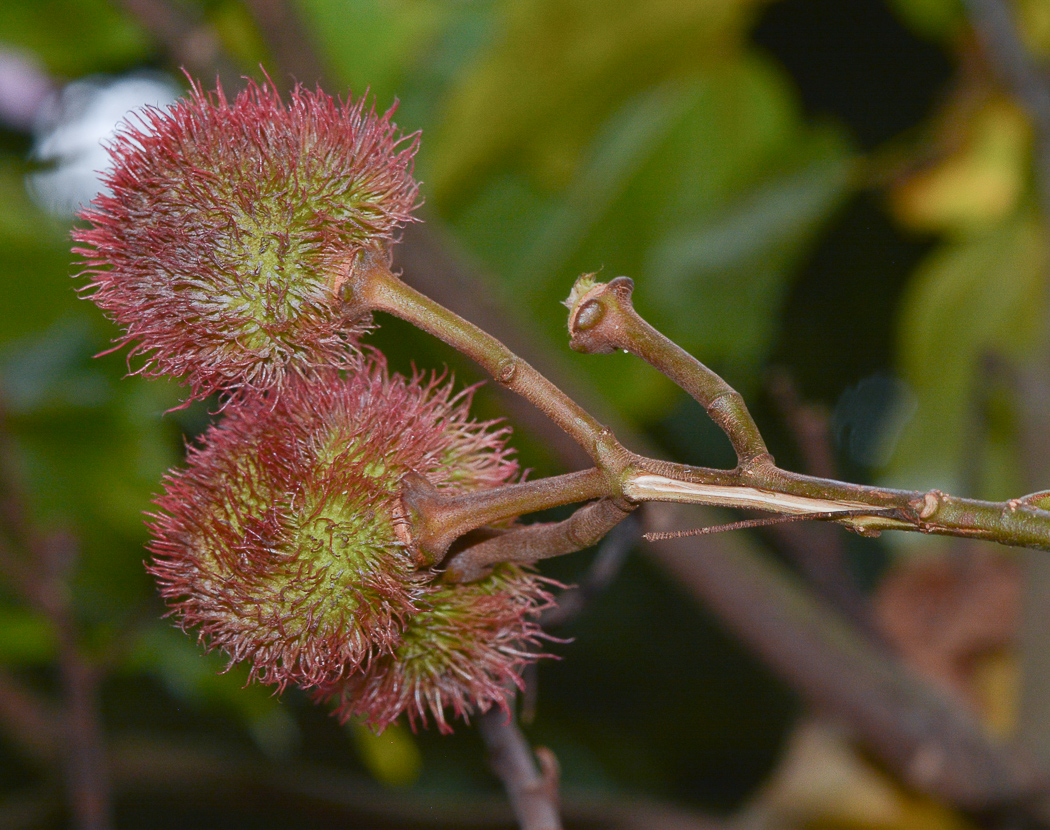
733	263
92	448
393	758
570	64
73	37
35	266
705	189
935	19
373	45
26	637
971	298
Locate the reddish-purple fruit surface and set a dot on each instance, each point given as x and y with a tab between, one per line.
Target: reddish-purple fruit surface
226	230
278	542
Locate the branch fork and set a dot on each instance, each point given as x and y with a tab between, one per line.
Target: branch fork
437	524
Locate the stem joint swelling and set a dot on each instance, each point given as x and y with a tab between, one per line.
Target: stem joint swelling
602	320
507	369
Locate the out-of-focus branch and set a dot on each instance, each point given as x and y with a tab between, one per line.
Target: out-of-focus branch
817	547
997	30
188	41
808	426
532	790
927	739
29	809
87	778
602	571
191	43
290	44
40	571
28	720
571	603
82	742
216	775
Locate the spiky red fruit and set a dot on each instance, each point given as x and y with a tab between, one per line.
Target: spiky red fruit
221	241
460	651
278	539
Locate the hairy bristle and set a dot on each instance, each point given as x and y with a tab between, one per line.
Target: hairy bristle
218	245
276	541
459	655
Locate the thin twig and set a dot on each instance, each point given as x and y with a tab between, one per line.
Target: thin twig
593	330
932	744
218	779
438	518
532	791
86	766
929	740
368	285
529	544
745	524
436	265
602	319
87	778
604	568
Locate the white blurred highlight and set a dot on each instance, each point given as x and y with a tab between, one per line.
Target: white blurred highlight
71	130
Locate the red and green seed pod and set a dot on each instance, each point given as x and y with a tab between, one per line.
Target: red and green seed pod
460	653
226	230
278	541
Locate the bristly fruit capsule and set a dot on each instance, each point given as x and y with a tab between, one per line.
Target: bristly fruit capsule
278	541
227	228
461	651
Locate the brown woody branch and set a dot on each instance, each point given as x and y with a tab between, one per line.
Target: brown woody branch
217	778
543	540
817	547
598	327
532	790
927	738
602	318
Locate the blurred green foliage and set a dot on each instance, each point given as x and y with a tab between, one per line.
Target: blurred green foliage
653	139
74	37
